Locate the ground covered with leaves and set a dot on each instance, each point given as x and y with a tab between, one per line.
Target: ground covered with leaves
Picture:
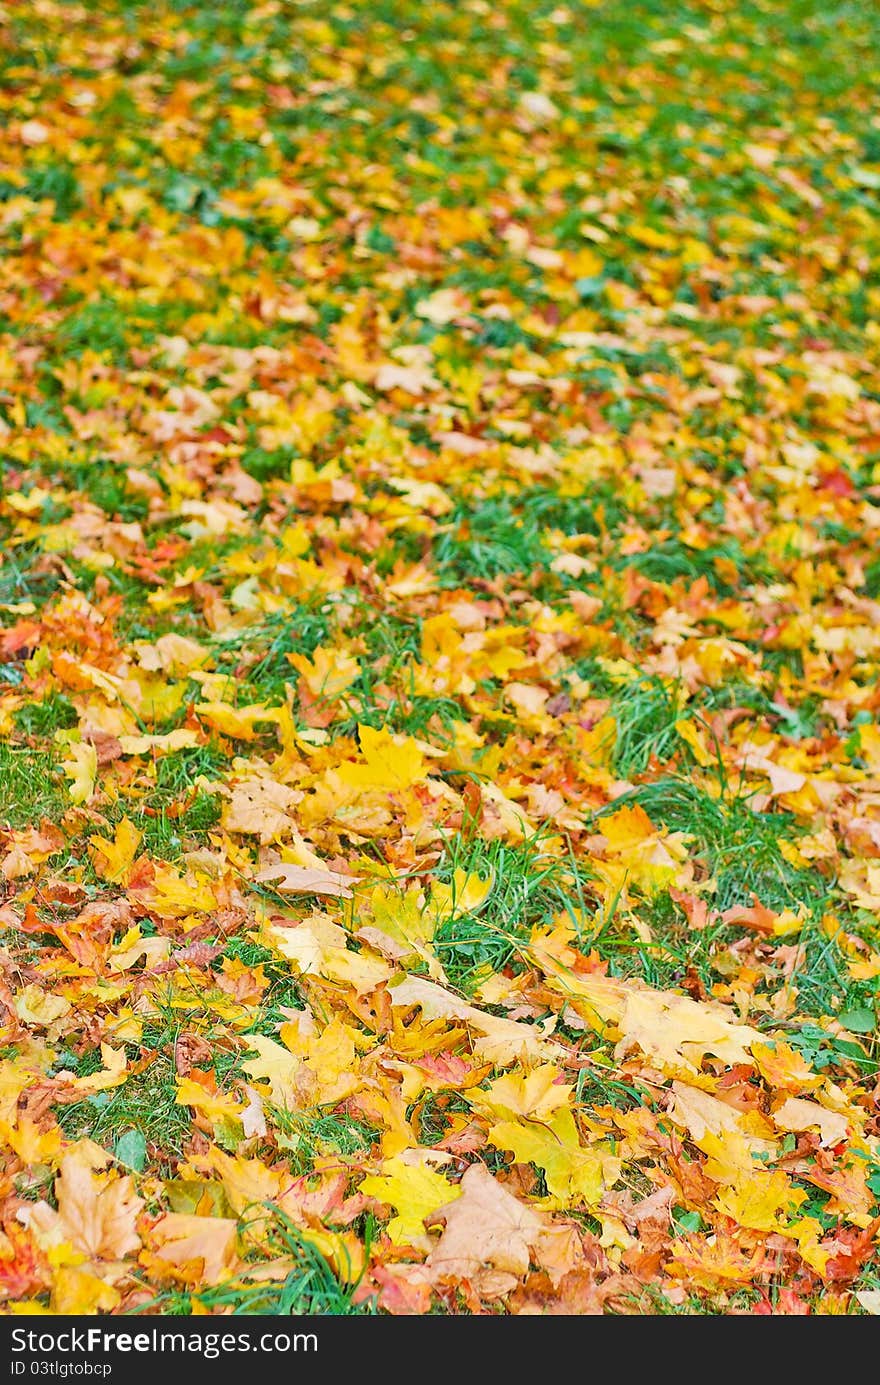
438	669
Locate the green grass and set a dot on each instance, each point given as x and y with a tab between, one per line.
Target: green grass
146	1102
668	561
43	719
645	712
31	787
488	540
311	1134
530	887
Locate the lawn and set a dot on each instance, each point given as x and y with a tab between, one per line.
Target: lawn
439	645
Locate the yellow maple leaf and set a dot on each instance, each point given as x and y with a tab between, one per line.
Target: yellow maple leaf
782	1066
537	1094
797	1114
32	1144
201	1249
638	853
260	806
389	762
276	1064
97	1212
808	1232
307	1069
764	1202
500	1040
677	1032
239	723
415	1190
718	1262
81	768
247	1183
35	1006
400	924
695	737
729	1160
181	738
13	1081
575	1176
672	1030
317	946
172	895
699	1112
113	1074
329	671
77	1292
113	860
172	653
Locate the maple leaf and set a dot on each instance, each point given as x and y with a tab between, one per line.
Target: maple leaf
328	672
401	1293
215	1105
171	895
276	1064
172	653
38	1007
247	1183
81	768
415	1190
78	1293
465	894
784	1068
113	1074
500	1040
536	1095
238	722
182	738
630	833
114	859
401	925
700	1113
764	1203
30	1142
96	1213
575	1176
673	1031
317	946
488	1236
261	807
307	1068
731	1155
390	762
719	1263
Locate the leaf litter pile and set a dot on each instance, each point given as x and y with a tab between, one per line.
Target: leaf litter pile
440	606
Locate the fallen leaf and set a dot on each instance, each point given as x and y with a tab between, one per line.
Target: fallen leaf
488	1236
